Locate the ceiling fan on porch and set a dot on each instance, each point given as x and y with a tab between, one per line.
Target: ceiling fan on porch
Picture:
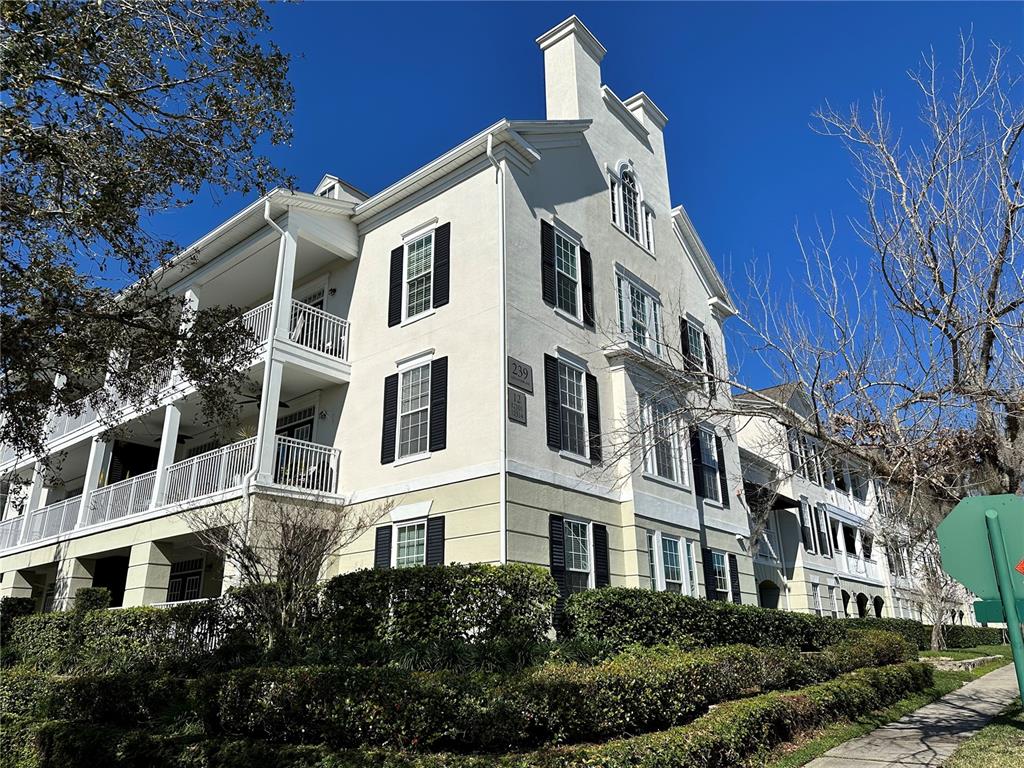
182	438
255	400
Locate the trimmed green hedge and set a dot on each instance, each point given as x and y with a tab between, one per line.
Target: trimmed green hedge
12	609
472	604
733	732
623	616
956	636
180	637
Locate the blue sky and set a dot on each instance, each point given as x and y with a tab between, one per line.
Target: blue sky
383	88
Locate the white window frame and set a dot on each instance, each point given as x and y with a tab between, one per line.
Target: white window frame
404	368
834	600
703	430
725	569
648	415
822	517
625	284
589	528
408	240
816	595
577	246
398	526
656	559
569	363
617	210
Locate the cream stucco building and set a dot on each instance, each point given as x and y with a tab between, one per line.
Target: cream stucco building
464	343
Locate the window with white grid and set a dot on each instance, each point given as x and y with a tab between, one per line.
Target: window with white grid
662	451
419	265
639	315
696	342
414	411
672	564
709	459
630	206
571	403
816	594
577	555
567	282
721	571
411	545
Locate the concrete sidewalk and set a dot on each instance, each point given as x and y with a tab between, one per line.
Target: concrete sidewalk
929	735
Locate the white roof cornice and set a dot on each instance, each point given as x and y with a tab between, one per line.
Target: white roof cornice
719	300
573	26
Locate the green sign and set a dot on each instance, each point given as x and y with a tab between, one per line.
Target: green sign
982	545
963	541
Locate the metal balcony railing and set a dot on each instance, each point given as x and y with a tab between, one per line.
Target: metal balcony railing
318	330
128	497
52	519
212	472
307	466
10	532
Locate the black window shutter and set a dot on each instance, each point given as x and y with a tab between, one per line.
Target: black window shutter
442	264
602	572
710	589
684	344
792	440
722	480
395	286
435	541
734	579
698	462
552	410
587	287
547	262
556	549
382	547
806	529
709	361
439	404
390	421
593	420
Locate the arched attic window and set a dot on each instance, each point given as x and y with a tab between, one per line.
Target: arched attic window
630	212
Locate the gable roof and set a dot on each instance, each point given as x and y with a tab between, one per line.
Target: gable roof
719	299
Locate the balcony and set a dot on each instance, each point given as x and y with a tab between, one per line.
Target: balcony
858	567
211	476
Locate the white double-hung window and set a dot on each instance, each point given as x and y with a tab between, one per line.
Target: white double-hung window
411	544
578	560
572	404
709	464
720	569
662	449
414	411
639	314
419	273
671	564
567	275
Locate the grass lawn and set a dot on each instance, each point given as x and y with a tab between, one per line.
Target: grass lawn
970	653
999	744
801	752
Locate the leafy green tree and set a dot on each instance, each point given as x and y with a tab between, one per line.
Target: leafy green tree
116	110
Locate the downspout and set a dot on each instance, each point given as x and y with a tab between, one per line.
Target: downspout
275	312
499	179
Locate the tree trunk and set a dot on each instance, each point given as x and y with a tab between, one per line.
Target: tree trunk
938	640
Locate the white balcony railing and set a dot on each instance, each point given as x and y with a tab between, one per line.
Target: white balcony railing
10	532
53	519
211	472
257	320
311	467
128	497
319	330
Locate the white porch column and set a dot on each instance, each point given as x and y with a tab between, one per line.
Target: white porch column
284	284
165	457
15	585
99	452
36	490
189	306
266	447
149	572
73	574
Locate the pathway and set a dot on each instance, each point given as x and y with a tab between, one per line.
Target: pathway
928	736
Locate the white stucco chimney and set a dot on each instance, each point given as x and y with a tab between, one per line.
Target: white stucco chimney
572	70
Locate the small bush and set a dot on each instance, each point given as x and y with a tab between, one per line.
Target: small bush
623	616
912	631
92	599
962	636
11	609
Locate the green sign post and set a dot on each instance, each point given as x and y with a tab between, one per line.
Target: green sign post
982	546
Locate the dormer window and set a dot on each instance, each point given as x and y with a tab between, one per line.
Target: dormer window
629	211
328	191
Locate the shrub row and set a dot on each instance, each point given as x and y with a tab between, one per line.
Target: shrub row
726	736
955	636
179	638
642	689
622	616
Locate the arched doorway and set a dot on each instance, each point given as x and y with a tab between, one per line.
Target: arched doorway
768	594
879	604
862	605
846	604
